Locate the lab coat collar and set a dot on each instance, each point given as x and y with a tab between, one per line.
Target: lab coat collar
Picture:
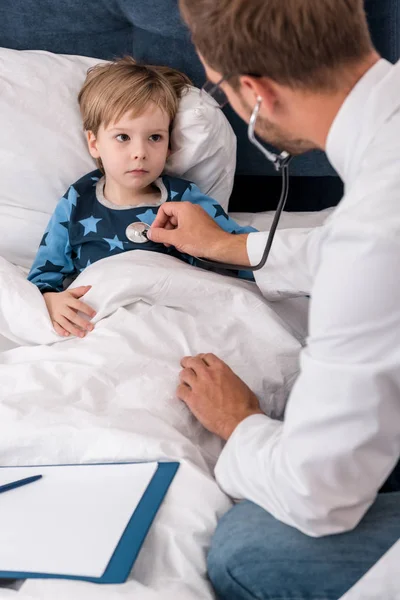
358	120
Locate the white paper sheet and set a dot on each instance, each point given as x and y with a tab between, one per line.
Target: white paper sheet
70	521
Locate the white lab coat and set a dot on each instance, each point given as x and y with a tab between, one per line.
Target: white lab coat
320	469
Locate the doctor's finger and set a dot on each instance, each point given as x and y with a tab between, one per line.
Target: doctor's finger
168	212
165	235
188	376
183	392
171	224
195	363
210	359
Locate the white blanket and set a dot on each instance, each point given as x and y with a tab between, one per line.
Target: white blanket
111	397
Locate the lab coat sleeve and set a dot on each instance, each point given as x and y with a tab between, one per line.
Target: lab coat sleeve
320	469
290	268
53	261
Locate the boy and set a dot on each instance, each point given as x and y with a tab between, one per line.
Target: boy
127	111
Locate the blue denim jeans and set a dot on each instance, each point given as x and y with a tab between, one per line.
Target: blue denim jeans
255	557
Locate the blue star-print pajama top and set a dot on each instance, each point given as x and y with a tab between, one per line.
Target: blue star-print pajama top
85	227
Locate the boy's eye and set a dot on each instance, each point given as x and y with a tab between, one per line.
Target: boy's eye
156	137
122	137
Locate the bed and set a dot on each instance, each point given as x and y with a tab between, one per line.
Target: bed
111	397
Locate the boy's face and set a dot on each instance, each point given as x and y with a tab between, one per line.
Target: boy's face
133	150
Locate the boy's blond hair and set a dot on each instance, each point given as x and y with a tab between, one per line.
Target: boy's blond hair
123	86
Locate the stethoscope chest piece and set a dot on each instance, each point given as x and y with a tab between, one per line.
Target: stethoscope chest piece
137	232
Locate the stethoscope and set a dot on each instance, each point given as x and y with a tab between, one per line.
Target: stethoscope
137	232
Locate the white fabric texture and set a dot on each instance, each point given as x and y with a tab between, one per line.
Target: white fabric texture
321	469
111	396
43	150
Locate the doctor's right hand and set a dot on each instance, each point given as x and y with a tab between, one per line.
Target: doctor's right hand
192	231
63	309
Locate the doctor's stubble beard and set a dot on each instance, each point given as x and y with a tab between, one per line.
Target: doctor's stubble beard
271	134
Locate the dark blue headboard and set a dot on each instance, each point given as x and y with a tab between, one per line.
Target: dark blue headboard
152	31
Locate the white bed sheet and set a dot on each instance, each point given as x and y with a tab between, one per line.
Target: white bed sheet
111	396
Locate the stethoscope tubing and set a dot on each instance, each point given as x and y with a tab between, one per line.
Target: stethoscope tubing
281	164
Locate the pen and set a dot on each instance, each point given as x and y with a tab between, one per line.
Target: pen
19	483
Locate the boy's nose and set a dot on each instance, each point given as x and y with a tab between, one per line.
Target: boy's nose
138	153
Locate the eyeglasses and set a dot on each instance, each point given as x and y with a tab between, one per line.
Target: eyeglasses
215	91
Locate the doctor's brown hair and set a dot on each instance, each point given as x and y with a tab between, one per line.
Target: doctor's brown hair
297	43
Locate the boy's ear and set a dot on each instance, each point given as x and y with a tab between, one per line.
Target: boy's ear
92	144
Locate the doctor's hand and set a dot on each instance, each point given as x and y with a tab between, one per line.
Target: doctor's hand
192	231
217	397
63	309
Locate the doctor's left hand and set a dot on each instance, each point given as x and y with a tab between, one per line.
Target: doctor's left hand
217	397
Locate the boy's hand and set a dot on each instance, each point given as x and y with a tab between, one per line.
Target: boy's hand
63	308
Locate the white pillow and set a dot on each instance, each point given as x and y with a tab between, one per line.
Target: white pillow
43	149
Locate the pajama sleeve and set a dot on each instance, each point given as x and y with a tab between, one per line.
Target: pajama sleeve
53	260
215	210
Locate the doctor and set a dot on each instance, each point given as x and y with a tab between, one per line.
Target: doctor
314	521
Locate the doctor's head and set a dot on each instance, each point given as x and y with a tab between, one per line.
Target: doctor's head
127	111
297	56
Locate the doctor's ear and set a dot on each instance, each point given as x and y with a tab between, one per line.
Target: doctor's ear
92	144
255	88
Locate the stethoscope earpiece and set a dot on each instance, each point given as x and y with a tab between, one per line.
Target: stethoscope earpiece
278	160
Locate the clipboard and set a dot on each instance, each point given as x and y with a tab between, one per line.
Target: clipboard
130	543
